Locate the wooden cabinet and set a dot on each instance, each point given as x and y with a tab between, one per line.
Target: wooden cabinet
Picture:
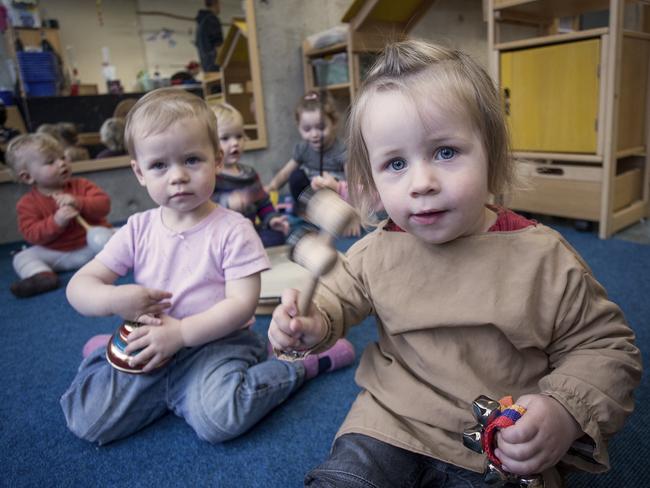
576	103
550	96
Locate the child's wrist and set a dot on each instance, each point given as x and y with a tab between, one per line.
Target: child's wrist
182	334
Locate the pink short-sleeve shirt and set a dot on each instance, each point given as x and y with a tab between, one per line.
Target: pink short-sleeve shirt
193	265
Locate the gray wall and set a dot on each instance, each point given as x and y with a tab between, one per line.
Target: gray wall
282	27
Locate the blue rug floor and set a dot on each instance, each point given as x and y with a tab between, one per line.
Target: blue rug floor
43	337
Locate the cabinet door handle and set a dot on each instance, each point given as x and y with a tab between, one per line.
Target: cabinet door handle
506	100
545	170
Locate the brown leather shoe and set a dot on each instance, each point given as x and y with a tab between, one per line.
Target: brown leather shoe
39	283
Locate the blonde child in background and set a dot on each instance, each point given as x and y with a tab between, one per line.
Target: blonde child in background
46	214
196	267
317	122
238	186
69	137
470	299
50	130
111	134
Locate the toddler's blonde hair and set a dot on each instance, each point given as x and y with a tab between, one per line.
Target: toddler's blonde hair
413	67
111	133
226	114
159	109
44	143
51	130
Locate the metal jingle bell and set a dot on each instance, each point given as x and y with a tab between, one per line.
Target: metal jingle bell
472	438
495	476
531	481
485	410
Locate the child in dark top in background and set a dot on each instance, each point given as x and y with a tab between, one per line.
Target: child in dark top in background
209	35
317	123
238	187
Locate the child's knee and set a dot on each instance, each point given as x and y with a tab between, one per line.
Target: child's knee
81	421
20	259
217	422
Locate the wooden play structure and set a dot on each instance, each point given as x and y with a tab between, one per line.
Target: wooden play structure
372	23
241	79
573	77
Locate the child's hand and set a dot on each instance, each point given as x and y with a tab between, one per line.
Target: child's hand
280	223
353	229
156	343
539	438
288	332
325	181
235	202
63	199
64	215
132	302
238	201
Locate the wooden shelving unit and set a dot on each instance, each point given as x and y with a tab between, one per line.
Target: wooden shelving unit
241	79
577	104
371	24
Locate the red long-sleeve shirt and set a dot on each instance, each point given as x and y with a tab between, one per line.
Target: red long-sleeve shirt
36	215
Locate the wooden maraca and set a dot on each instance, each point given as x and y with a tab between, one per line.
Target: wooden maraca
310	251
315	251
96	235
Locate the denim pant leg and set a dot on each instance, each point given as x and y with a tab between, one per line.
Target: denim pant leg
359	461
224	388
103	404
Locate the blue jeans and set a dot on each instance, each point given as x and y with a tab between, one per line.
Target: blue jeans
360	461
221	389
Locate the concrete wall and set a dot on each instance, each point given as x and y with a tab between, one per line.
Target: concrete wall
282	27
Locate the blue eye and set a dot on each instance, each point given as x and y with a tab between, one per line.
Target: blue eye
192	161
445	153
158	165
397	164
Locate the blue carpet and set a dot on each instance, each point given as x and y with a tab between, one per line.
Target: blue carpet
43	338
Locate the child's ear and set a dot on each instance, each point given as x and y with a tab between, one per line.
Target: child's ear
25	177
138	172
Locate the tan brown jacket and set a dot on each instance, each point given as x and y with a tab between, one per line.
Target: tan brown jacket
500	313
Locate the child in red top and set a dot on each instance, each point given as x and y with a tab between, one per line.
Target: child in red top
47	213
